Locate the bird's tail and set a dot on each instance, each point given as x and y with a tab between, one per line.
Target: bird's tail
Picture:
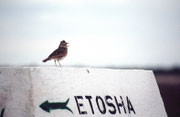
46	60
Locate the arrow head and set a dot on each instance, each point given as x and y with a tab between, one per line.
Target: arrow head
45	106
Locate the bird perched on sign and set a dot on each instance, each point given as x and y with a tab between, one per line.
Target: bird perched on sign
59	53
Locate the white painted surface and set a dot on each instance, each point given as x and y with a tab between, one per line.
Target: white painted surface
22	90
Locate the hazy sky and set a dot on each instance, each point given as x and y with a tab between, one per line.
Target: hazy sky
100	32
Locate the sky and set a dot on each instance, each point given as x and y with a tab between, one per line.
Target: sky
100	32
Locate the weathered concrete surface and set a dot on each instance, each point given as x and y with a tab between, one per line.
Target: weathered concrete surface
23	90
16	92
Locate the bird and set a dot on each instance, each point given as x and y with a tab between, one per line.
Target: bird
58	54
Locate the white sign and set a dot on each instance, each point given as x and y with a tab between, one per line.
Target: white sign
75	92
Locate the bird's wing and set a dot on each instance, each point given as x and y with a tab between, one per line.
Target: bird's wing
56	53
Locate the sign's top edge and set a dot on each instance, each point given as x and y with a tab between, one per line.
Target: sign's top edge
96	68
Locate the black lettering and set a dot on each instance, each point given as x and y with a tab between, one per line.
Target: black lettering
110	104
103	111
130	106
90	103
79	104
119	105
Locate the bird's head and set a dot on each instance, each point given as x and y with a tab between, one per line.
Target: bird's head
63	44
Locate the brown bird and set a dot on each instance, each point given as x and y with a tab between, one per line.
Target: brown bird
59	53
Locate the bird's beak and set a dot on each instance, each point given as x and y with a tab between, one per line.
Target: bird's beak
67	44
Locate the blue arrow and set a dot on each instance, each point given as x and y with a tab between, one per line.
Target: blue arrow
47	106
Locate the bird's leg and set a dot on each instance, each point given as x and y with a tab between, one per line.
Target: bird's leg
59	63
55	62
